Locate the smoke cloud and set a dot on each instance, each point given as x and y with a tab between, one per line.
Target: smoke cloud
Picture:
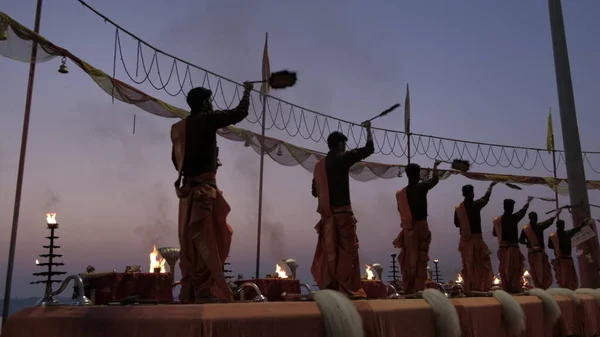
159	228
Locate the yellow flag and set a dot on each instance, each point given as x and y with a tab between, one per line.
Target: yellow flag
266	68
407	111
550	136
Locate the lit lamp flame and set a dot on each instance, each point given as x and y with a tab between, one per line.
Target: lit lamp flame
37	262
496	281
370	275
51	220
526	278
459	278
156	261
280	272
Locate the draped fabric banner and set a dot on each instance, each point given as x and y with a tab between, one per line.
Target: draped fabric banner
18	45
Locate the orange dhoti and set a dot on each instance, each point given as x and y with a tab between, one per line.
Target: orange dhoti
336	265
204	238
566	276
511	267
539	268
414	243
477	270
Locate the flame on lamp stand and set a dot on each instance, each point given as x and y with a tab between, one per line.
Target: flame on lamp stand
459	278
51	220
370	275
280	272
157	264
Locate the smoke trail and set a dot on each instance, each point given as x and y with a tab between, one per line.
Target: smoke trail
52	200
274	236
160	228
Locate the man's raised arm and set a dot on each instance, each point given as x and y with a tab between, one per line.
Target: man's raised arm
521	213
483	201
226	118
354	156
430	183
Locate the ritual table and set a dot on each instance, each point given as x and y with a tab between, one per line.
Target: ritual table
374	289
103	288
271	288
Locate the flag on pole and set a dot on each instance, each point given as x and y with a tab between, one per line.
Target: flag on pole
407	111
266	69
550	136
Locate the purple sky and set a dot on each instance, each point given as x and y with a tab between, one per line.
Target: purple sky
480	72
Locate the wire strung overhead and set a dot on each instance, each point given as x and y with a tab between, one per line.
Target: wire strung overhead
308	124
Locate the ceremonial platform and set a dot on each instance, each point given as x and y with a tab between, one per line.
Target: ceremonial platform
399	317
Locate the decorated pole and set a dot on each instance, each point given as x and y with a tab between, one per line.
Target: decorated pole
552	149
24	136
589	277
264	90
407	122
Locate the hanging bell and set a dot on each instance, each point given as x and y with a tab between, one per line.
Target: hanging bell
63	67
279	153
247	143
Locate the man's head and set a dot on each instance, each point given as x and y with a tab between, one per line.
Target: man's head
560	225
413	171
336	141
533	218
199	100
509	205
468	191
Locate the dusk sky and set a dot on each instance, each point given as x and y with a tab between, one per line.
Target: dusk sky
481	71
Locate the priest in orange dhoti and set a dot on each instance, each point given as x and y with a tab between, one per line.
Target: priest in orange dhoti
477	271
414	238
506	229
204	235
564	268
532	235
335	265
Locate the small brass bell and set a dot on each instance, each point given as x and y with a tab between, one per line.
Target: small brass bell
279	153
247	144
63	67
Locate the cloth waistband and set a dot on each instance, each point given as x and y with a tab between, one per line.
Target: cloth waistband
504	244
535	249
209	178
342	210
477	236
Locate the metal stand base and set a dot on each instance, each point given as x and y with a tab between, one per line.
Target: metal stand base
47	301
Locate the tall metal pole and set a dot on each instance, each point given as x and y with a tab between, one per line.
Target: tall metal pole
24	135
573	158
554	168
260	186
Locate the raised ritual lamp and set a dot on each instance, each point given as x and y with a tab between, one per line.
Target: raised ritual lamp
526	281
378	270
171	255
291	263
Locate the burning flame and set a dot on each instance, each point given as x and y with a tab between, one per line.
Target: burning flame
156	262
459	278
280	272
37	261
51	218
525	278
370	275
496	280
